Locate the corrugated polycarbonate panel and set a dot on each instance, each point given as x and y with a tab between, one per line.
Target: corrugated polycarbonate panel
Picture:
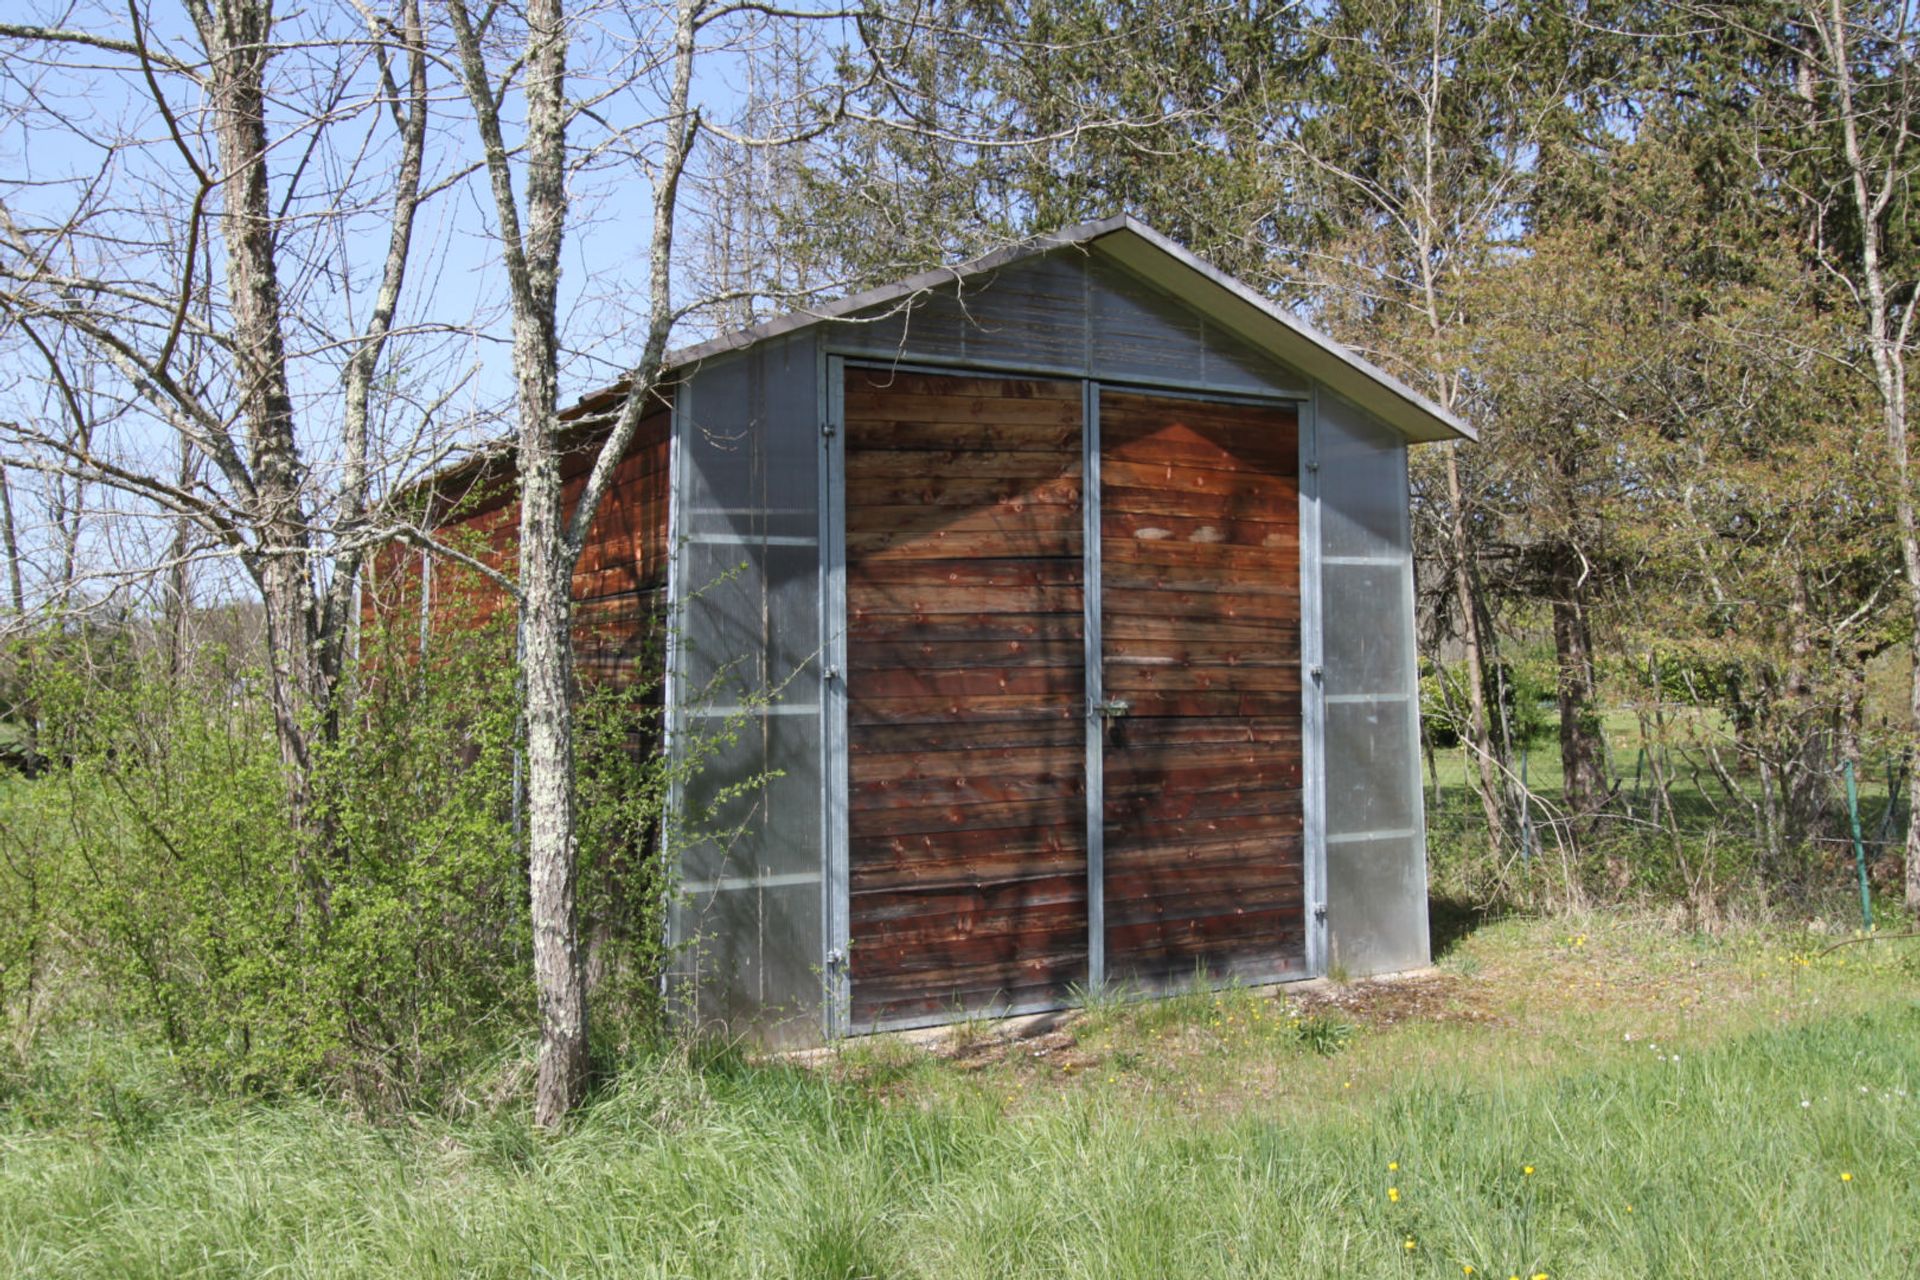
1067	312
1370	600
1376	883
1365	472
1381	888
747	926
1367	762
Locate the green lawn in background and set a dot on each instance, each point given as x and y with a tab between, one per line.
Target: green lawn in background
1595	1099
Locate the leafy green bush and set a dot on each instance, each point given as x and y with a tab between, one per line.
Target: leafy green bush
363	942
1522	688
369	940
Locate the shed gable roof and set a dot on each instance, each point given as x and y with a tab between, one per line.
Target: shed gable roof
1161	262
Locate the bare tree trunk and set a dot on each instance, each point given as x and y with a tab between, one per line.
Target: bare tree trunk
550	539
1581	758
16	588
546	584
178	581
238	35
546	580
1480	742
546	555
1874	183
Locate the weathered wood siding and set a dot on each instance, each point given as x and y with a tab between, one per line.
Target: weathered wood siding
967	845
1200	635
619	585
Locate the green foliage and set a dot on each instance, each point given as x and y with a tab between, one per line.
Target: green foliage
419	931
1520	690
367	938
623	781
1324	1033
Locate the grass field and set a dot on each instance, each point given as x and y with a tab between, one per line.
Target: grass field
1603	1099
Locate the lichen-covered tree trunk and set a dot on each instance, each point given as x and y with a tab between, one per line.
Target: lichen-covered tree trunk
552	854
238	39
531	226
547	557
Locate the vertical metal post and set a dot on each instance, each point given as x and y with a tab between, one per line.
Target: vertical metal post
1413	694
1094	685
1313	711
1526	807
836	885
1860	849
670	693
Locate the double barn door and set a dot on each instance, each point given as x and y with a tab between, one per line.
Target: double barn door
1010	638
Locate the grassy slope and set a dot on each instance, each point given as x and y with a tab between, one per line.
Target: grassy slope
1689	1108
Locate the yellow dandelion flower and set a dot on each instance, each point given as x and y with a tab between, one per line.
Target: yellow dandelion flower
1393	1194
1528	1171
1409	1244
1846	1177
1393	1166
1466	1268
1347	1085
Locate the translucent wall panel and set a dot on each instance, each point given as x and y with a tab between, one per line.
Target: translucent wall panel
1376	880
747	926
1068	312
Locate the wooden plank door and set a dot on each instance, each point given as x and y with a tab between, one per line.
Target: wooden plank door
1200	638
967	851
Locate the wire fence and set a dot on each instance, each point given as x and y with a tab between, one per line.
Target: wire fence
1695	811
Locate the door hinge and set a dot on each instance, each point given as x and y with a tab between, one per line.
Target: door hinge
1319	913
827	429
1316	673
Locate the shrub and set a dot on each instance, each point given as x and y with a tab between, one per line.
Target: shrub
372	943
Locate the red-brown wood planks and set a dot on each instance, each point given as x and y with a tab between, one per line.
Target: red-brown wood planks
1200	609
618	582
966	688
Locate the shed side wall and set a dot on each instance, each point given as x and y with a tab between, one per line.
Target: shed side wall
746	927
619	585
1376	871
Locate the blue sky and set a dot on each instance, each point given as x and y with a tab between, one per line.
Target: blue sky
84	132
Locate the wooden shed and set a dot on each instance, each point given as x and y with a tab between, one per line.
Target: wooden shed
1047	622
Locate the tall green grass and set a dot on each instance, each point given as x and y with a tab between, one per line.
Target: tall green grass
1727	1162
